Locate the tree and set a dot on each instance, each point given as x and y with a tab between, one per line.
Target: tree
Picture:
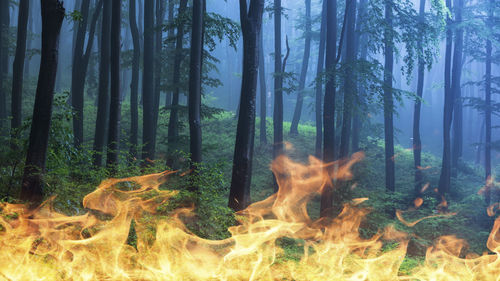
319	82
160	14
18	66
52	17
456	88
114	105
4	60
195	68
303	72
263	92
388	100
278	84
487	93
103	87
251	23
173	126
80	66
134	84
148	136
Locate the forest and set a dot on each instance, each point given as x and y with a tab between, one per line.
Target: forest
249	140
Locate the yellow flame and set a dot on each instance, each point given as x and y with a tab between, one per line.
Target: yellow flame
43	244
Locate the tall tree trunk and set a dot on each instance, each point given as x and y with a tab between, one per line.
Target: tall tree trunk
4	62
263	92
134	84
278	84
52	17
158	63
444	178
349	79
303	72
487	115
173	124
114	105
28	42
171	46
194	98
17	68
417	143
388	102
319	83
103	88
456	76
329	103
251	23
148	137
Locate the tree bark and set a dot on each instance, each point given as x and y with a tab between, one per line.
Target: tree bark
134	84
158	64
171	46
388	102
32	184
444	178
487	115
18	66
251	23
114	105
194	98
148	99
456	76
173	124
278	84
417	143
103	88
329	103
263	92
319	83
303	72
4	62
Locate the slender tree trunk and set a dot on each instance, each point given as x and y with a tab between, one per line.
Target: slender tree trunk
114	105
32	185
173	124
417	143
278	84
29	40
171	47
158	63
303	72
263	92
195	68
349	80
388	102
251	23
103	88
319	83
480	141
487	118
17	68
148	137
329	103
444	179
4	62
134	84
456	76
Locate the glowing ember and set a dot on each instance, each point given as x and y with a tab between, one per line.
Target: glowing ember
45	245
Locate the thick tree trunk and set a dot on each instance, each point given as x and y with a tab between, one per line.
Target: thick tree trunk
32	186
278	84
29	42
456	76
4	62
18	66
148	99
194	99
319	83
251	22
173	124
114	105
329	103
103	88
487	115
417	143
303	72
444	178
349	80
134	84
388	102
263	92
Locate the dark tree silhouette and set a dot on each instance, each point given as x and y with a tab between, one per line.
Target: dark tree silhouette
148	99
114	105
103	87
171	46
388	101
160	13
278	84
251	23
134	84
195	67
4	61
303	72
487	116
319	83
263	92
52	17
456	85
18	66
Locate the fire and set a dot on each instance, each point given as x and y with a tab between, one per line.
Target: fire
43	244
